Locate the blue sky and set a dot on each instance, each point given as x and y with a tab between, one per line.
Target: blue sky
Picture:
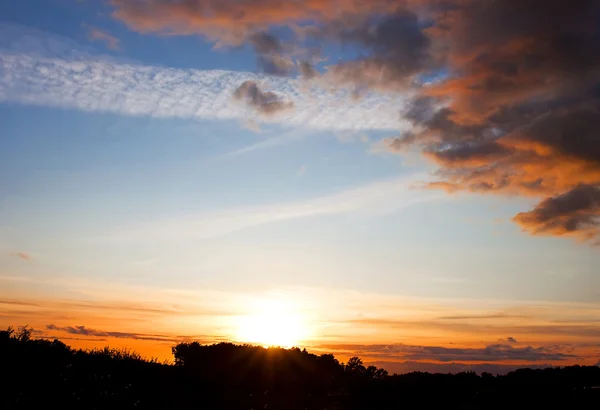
109	174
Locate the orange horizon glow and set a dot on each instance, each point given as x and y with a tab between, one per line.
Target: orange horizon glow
344	323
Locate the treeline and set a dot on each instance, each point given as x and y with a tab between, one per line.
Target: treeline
39	373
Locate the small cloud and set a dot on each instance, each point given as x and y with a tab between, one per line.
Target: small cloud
264	102
509	340
21	255
307	70
95	34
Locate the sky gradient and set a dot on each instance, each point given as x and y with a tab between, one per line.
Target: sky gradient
411	182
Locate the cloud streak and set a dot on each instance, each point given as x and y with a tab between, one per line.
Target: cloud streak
21	255
389	195
89	332
95	34
55	74
489	353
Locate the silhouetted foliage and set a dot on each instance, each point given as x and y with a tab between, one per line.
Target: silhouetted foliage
38	373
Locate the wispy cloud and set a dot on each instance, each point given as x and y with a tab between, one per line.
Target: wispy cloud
59	73
383	196
282	138
95	34
21	255
87	331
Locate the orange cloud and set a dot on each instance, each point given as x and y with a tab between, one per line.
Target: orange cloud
231	20
22	255
95	34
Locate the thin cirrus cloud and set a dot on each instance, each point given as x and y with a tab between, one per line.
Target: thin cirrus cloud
382	196
47	70
21	255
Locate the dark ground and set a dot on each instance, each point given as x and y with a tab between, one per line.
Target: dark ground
37	373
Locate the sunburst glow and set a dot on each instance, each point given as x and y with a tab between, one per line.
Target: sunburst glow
272	322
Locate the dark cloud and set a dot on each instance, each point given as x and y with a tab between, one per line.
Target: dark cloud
272	58
264	102
402	367
576	212
396	46
86	331
307	70
523	109
490	353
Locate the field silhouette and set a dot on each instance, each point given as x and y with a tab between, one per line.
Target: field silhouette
39	373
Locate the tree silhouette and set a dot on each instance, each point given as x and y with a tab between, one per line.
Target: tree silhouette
39	373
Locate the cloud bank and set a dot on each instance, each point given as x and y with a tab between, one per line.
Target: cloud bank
508	91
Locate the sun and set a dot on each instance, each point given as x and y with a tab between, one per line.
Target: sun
272	323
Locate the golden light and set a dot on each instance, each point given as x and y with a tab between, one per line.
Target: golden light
272	322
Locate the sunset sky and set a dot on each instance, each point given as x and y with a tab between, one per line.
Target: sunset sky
416	182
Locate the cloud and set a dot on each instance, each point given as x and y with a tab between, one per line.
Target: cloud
86	331
396	50
307	70
483	317
21	255
50	70
95	34
393	194
17	303
501	108
576	213
489	353
518	111
264	102
231	20
403	367
271	54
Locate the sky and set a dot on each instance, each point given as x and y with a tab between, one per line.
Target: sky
414	182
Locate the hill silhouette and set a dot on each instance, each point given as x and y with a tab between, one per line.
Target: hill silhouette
39	373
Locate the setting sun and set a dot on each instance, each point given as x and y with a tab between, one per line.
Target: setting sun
272	323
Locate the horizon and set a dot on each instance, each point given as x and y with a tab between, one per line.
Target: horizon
412	183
